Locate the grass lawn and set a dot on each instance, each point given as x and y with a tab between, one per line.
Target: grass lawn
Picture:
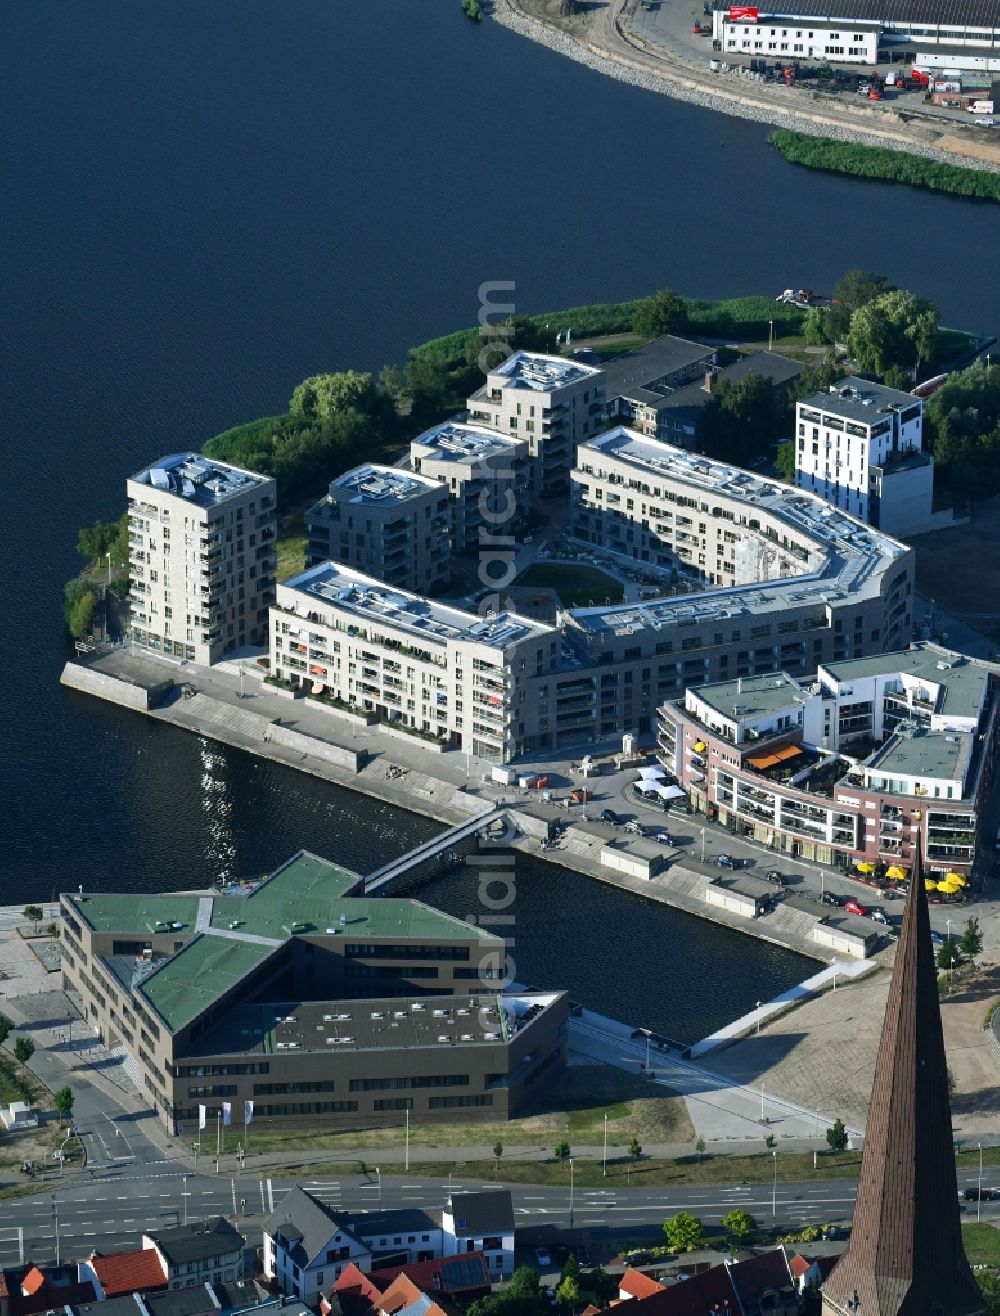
12	1082
577	586
575	1111
982	1244
291	547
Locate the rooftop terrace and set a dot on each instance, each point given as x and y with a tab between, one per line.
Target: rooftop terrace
370	600
543	374
382	484
939	755
860	400
962	679
198	479
466	444
751	696
846	556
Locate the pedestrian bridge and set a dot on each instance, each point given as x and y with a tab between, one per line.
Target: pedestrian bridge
435	853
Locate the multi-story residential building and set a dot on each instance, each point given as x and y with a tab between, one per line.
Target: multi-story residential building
448	675
386	522
639	385
874	760
550	402
859	446
201	556
486	474
203	1252
315	1005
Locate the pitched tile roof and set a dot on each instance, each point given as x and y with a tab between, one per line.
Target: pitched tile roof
31	1281
465	1274
638	1284
129	1272
356	1290
905	1252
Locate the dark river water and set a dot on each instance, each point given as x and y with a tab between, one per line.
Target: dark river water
204	203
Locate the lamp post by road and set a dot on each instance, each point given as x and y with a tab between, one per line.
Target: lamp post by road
605	1162
774	1188
703	845
770	335
406	1163
758	1018
571	1192
378	1172
184	1195
979	1194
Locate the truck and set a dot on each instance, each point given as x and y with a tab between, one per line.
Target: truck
502	776
981	107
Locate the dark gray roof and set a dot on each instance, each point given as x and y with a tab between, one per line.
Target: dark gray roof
198	1241
476	1214
382	1223
195	1300
924	13
123	1306
686	402
305	1223
631	374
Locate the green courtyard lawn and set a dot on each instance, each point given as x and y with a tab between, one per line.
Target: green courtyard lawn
578	586
291	549
982	1244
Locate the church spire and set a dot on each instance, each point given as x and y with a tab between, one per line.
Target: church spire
905	1255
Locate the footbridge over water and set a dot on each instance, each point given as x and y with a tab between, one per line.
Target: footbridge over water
433	856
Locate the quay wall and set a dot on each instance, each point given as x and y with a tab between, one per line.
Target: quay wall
90	682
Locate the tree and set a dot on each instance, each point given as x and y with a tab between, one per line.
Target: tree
785	460
323	397
814	327
989	1287
5	1026
63	1102
24	1049
684	1232
493	345
572	1267
897	328
79	601
739	1223
497	1153
635	1149
856	288
971	941
699	1147
770	1141
391	380
33	913
836	1136
663	313
561	1151
741	420
568	1291
948	956
524	1283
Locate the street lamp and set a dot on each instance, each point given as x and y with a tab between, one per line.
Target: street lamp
184	1195
758	1018
703	845
774	1188
770	334
979	1194
605	1145
571	1192
379	1174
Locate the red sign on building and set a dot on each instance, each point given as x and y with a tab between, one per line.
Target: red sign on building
743	13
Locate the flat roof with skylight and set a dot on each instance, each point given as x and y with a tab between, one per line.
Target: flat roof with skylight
371	600
751	696
860	400
382	484
467	444
962	680
198	479
938	755
541	373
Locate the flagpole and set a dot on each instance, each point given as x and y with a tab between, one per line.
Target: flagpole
246	1130
218	1137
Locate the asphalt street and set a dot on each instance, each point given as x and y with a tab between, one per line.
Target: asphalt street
112	1211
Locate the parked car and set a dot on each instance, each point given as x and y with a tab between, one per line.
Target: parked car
855	907
774	876
635	827
828	898
879	916
938	938
980	1194
609	816
727	861
663	838
542	1257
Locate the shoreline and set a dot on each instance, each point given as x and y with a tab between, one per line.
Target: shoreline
693	87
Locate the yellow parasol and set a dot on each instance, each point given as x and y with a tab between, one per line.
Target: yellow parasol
956	879
896	873
929	885
699	747
865	867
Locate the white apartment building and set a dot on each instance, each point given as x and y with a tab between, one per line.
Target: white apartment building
860	447
486	474
201	556
551	403
447	675
386	522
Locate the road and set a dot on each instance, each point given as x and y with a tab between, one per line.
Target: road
112	1212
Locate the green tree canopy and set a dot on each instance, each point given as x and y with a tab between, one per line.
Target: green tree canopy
524	1283
949	956
663	313
561	1151
323	398
79	602
568	1291
103	537
684	1232
963	431
24	1049
741	420
5	1028
895	329
971	941
836	1136
739	1223
515	333
856	288
635	1148
33	913
63	1102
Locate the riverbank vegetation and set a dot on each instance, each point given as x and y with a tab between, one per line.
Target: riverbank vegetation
473	9
887	165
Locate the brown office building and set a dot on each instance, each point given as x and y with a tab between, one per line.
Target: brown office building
315	1005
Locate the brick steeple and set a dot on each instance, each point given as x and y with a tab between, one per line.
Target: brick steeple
905	1256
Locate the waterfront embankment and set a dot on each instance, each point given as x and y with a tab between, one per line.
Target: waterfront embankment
605	42
450	788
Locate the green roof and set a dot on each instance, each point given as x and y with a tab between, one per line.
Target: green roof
308	895
137	914
196	976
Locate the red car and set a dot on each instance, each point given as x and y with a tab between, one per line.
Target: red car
856	907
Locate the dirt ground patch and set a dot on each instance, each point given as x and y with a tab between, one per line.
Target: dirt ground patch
960	568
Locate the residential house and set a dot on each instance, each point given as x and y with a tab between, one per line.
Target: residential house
481	1222
207	1251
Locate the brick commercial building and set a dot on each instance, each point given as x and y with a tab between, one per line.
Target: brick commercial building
201	556
316	1006
877	760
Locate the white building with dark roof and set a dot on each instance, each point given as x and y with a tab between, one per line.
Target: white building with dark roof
386	522
201	556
